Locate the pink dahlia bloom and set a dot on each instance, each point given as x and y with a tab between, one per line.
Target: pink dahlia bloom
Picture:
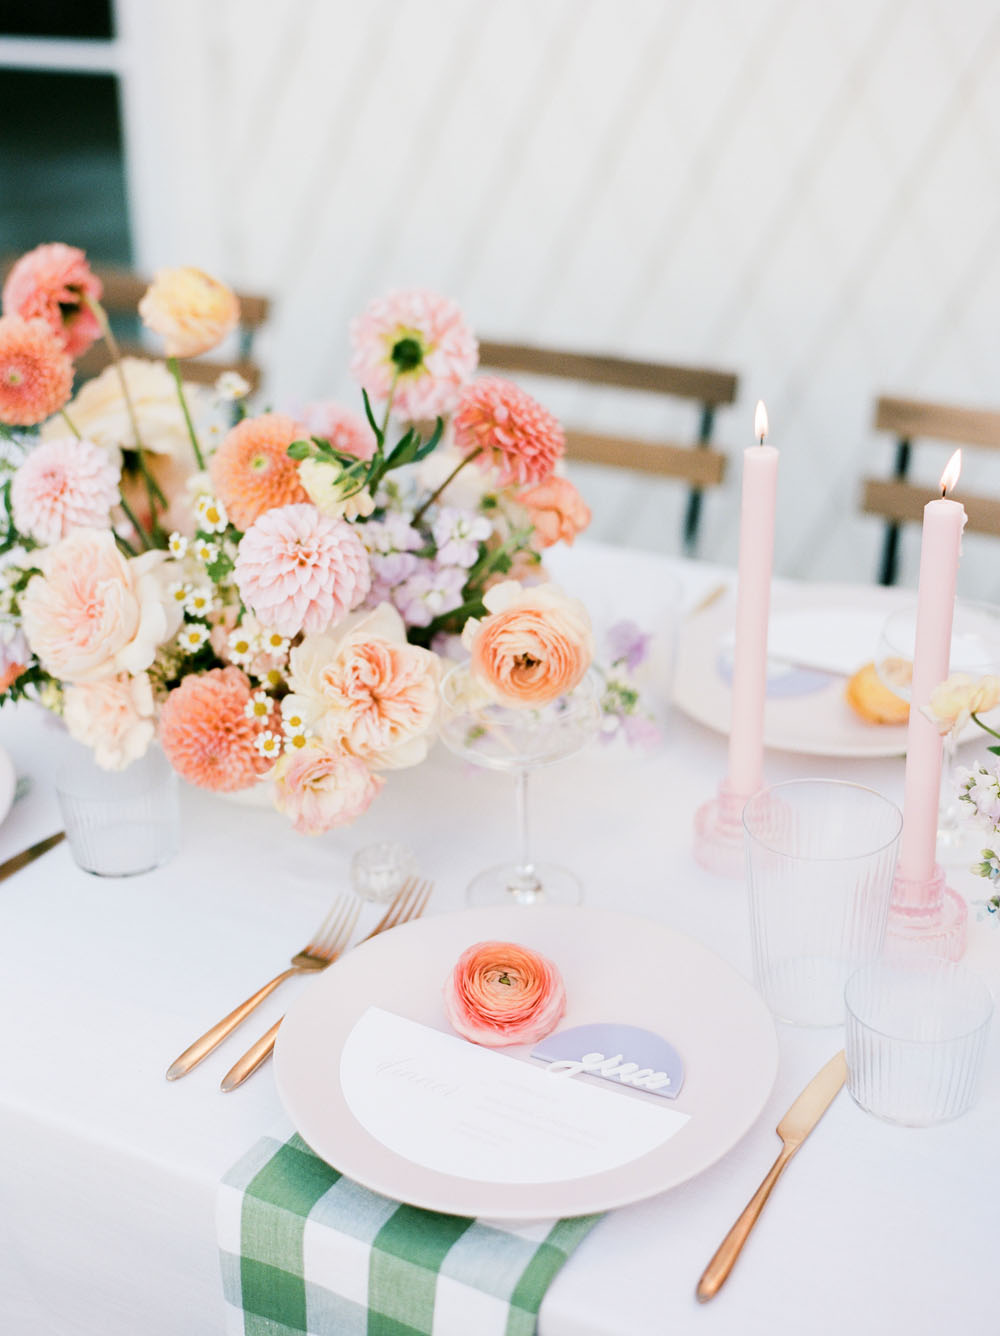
36	375
318	788
344	430
49	283
206	735
422	341
64	484
497	420
300	570
252	471
500	993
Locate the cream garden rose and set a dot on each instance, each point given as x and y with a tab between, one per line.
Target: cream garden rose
534	645
114	716
332	493
93	613
960	696
364	688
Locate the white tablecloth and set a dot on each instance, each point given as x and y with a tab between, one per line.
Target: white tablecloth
108	1173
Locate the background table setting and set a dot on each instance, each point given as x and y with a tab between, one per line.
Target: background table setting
467	754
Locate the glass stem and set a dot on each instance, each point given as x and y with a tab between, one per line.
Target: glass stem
948	811
525	886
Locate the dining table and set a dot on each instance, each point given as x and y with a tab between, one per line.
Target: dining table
109	1174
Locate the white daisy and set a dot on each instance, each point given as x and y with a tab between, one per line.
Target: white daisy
274	643
258	706
232	386
178	590
206	552
272	678
292	720
241	646
211	514
200	601
177	544
192	637
296	741
268	743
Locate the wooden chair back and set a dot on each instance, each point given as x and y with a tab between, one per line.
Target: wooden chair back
696	462
900	501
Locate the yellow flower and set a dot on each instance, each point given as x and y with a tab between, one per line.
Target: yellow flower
192	311
333	493
960	696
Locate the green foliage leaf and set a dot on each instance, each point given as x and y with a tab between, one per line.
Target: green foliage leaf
995	750
371	420
299	450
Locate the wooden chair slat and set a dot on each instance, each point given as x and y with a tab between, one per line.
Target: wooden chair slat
199	371
908	418
701	468
903	502
706	386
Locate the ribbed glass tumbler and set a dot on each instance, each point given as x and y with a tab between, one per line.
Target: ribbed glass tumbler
916	1038
118	823
820	860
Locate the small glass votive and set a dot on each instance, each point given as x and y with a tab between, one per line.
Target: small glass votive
118	823
379	870
915	1040
820	860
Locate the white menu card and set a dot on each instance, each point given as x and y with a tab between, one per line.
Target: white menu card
461	1109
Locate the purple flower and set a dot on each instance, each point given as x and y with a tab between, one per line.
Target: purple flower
458	534
393	534
433	590
627	644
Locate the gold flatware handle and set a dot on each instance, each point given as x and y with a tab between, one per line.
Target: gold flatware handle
29	855
251	1059
729	1249
212	1038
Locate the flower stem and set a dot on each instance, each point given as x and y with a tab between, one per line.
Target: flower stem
144	537
175	369
985	727
69	423
438	490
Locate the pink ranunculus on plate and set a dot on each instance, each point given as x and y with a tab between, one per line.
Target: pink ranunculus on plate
500	993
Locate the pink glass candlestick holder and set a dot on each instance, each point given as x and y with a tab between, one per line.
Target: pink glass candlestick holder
718	833
926	917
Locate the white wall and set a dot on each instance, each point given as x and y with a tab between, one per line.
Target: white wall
804	192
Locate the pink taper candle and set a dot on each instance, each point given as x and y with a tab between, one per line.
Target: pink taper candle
940	547
753	600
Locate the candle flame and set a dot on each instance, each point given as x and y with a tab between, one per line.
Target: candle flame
951	471
760	421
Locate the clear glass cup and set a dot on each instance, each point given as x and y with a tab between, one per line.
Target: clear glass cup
518	740
821	854
118	823
915	1039
975	651
379	870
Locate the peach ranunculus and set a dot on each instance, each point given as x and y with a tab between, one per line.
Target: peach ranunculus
556	510
362	687
958	698
192	311
113	716
500	993
93	613
319	788
534	645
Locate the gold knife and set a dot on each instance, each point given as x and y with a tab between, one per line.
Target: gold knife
793	1129
29	855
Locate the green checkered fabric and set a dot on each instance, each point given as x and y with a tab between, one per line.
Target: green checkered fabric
307	1251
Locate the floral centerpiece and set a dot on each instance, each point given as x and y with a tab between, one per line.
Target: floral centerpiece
267	594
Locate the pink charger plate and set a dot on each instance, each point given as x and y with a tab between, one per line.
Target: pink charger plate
617	968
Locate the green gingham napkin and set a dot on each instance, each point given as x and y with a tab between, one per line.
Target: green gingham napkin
306	1250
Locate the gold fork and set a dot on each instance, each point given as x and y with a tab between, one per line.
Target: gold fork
328	941
409	903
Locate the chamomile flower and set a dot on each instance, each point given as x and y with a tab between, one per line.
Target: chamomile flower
274	643
296	741
192	637
211	514
268	744
258	706
177	545
200	601
241	647
271	678
205	552
292	719
178	590
232	386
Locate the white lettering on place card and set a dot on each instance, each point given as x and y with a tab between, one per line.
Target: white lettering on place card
461	1109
